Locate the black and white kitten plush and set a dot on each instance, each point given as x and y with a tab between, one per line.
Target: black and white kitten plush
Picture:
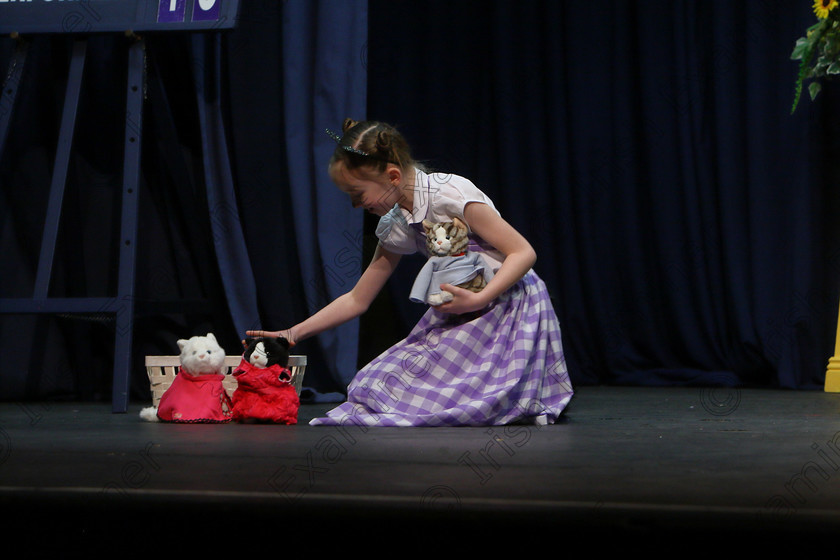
265	352
264	391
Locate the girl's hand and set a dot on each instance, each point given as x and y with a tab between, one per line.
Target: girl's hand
463	301
287	334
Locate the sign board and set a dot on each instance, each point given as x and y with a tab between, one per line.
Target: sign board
103	16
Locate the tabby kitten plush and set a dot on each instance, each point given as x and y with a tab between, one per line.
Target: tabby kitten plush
449	263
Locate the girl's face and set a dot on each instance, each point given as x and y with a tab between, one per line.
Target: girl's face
375	192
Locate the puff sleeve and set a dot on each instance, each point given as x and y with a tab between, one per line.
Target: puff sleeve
395	234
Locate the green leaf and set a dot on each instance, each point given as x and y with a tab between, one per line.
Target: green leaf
801	47
814	35
814	89
834	68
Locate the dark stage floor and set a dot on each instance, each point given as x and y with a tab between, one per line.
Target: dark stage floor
626	467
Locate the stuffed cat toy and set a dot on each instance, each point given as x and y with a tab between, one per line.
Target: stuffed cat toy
264	392
449	263
196	395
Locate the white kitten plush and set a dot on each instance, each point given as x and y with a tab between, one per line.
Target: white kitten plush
201	355
196	394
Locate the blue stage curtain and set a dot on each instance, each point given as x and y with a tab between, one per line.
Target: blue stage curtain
685	221
295	69
228	238
324	82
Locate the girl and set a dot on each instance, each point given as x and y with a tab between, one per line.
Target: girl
484	358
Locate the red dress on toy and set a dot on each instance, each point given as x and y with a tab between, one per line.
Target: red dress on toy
264	394
195	399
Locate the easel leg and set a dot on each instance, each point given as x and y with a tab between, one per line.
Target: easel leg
59	178
131	174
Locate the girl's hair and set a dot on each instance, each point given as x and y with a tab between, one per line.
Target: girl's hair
371	144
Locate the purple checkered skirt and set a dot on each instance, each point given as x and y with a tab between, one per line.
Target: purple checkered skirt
500	366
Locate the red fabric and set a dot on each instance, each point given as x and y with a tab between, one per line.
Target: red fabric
265	394
195	399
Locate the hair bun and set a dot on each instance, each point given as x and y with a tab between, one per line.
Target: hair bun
383	140
348	124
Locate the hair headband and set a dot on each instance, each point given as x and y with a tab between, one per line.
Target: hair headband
347	148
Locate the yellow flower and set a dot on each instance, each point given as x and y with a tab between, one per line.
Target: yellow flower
822	7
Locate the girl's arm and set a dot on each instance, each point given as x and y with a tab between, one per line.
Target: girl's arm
519	258
347	306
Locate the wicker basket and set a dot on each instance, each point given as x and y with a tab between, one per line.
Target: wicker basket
163	369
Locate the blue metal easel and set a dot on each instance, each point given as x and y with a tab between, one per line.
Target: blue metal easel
120	306
80	19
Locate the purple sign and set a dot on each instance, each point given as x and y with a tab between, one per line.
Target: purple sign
171	10
206	10
115	16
